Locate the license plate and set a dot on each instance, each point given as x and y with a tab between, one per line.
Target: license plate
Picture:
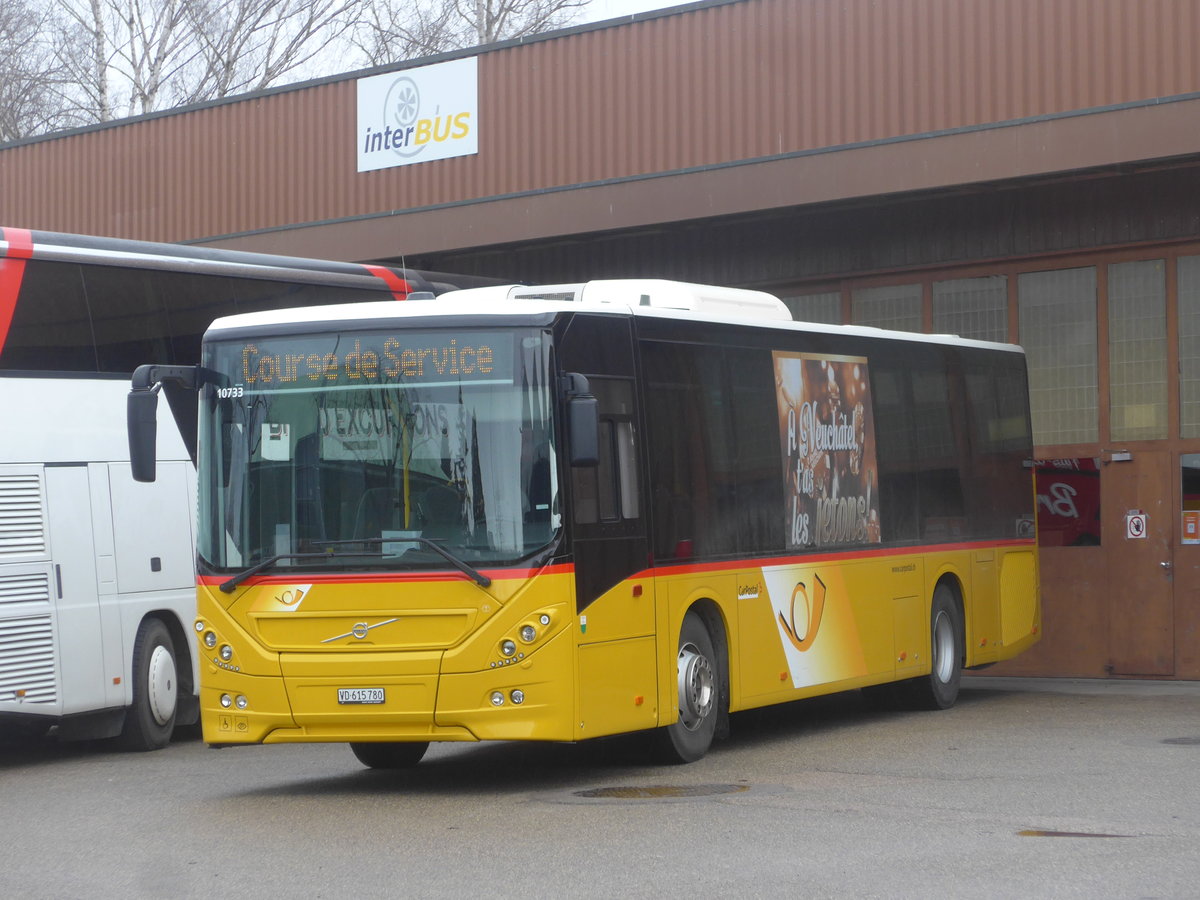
360	695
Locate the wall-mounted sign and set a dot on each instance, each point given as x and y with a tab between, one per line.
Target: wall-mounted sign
418	115
1191	527
1135	525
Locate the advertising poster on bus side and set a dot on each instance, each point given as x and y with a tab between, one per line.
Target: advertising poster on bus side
827	436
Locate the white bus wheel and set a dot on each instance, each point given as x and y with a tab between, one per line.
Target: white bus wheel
150	719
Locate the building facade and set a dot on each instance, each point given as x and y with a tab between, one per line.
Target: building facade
1015	170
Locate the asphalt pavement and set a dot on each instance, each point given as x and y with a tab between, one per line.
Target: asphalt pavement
1026	788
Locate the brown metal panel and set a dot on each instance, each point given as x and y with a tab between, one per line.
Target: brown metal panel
705	86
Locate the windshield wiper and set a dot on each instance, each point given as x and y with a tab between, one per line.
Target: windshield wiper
229	586
462	565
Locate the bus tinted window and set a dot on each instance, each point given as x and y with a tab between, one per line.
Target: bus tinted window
129	317
93	318
896	452
1000	441
609	492
692	458
760	513
937	409
54	333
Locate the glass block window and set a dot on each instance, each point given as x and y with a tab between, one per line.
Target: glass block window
1137	350
1189	346
894	306
1057	311
972	307
825	308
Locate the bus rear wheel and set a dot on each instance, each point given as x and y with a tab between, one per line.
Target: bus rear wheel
698	679
150	720
939	690
389	755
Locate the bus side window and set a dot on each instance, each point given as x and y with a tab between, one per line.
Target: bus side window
609	493
692	460
895	453
938	417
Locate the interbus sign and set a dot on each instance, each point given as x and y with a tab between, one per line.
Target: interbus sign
828	443
418	115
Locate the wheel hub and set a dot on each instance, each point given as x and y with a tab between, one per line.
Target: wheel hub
943	648
697	687
161	685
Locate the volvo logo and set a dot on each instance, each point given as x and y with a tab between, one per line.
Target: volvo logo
359	631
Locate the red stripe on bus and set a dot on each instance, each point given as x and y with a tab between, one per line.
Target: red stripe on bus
812	559
399	287
12	271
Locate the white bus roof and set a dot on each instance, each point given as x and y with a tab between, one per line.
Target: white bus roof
656	298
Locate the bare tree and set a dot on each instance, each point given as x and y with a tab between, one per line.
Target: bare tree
488	21
77	62
139	56
29	104
394	30
391	31
248	45
124	57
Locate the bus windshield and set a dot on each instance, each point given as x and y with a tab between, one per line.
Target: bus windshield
369	446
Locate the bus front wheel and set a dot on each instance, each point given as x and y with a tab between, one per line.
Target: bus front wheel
150	720
698	680
389	755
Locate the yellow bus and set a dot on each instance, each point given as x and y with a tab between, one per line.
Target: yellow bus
569	511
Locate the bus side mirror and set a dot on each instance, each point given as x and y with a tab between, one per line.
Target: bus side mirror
583	423
141	419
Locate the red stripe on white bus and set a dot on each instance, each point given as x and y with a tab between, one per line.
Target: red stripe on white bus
12	270
399	287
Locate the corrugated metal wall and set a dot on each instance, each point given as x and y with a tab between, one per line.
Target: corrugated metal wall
713	84
793	247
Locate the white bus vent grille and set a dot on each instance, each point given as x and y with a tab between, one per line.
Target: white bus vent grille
27	587
22	526
27	660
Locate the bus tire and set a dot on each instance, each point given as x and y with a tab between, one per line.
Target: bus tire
939	689
389	755
698	680
150	719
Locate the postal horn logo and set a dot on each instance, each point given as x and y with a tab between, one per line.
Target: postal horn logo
808	610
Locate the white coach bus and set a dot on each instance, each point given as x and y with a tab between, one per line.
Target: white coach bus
97	578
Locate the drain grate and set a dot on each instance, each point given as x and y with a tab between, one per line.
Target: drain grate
661	791
1182	740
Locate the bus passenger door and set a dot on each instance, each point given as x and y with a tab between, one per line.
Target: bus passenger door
614	592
